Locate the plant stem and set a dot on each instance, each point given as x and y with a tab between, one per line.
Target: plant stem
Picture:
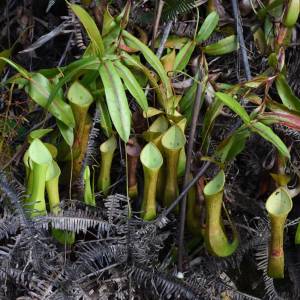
240	35
164	39
196	111
159	7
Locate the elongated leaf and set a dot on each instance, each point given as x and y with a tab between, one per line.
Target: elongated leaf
66	132
286	94
209	119
268	134
224	46
39	89
132	85
208	27
184	55
233	145
74	69
90	27
17	67
133	62
39	133
152	59
281	115
105	120
233	105
168	61
116	99
6	54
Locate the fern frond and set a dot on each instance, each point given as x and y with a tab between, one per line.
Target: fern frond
116	208
95	255
173	8
162	285
9	224
74	220
262	264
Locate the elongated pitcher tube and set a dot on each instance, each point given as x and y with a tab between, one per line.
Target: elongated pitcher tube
133	151
152	161
278	205
80	99
215	237
172	141
154	135
107	150
89	197
40	159
52	188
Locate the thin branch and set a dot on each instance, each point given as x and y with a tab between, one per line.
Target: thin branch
159	7
196	110
164	39
239	30
200	173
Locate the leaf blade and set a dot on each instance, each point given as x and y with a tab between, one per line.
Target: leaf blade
132	85
234	105
116	99
90	27
268	134
208	26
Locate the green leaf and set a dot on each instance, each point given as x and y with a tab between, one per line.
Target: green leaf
233	105
17	67
151	112
37	134
208	26
184	55
90	27
135	63
187	101
5	54
105	120
268	134
152	59
286	94
209	118
116	99
233	145
39	89
224	46
74	69
66	132
132	85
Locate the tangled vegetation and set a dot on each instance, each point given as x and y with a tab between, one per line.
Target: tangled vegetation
149	149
